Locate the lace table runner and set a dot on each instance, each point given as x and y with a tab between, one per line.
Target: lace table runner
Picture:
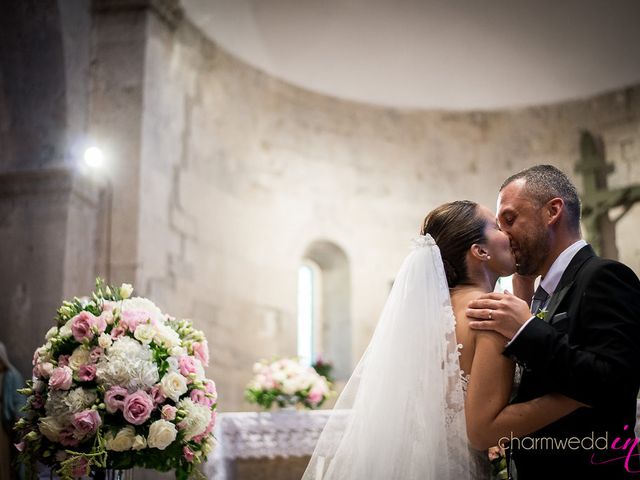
264	435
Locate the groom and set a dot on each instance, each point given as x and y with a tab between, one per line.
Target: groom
584	342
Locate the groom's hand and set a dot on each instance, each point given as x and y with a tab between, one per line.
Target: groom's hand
501	312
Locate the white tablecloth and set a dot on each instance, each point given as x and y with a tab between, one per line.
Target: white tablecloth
264	435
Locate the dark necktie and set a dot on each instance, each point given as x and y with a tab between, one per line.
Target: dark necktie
540	298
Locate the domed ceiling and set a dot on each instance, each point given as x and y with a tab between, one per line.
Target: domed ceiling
436	54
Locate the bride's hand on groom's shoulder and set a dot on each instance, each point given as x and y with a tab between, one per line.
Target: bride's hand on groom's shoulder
504	313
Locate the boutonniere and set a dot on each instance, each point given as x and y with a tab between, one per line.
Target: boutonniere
542	314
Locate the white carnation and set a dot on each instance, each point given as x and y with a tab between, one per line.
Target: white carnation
128	363
80	399
161	434
56	405
173	385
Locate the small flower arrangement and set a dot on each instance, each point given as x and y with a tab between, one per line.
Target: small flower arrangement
287	383
118	384
323	368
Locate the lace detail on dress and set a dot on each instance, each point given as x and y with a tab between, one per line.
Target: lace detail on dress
464	379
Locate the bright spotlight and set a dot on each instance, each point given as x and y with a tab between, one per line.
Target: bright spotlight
93	157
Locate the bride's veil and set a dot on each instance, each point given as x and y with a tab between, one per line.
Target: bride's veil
401	414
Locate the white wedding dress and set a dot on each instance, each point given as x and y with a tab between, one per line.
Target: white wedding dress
401	414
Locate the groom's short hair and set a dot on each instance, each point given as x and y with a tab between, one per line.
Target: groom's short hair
544	182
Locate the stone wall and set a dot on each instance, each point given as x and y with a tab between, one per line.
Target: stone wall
241	173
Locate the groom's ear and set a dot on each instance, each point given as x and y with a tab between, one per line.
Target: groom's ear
554	210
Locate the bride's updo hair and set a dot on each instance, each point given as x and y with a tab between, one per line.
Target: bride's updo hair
455	226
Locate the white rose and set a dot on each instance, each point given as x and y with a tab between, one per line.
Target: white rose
53	331
289	387
122	441
79	357
173	385
166	336
144	333
178	352
161	434
139	443
104	340
126	289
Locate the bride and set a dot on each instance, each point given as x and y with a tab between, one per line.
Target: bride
430	395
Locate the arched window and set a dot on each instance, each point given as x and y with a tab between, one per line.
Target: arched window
324	307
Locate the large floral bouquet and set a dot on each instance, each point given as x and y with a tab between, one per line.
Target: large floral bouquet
118	384
288	383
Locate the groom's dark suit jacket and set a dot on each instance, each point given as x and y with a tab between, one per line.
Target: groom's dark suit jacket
588	348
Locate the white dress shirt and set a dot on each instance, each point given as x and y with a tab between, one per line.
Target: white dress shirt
550	281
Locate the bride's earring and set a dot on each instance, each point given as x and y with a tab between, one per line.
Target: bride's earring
488	257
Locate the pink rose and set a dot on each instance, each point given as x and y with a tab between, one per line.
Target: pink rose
81	326
114	398
101	322
95	354
188	454
86	422
201	352
168	412
86	373
119	331
67	437
133	318
137	407
156	395
210	388
199	396
43	369
20	446
61	378
187	365
315	396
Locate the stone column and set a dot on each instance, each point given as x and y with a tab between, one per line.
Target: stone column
48	229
